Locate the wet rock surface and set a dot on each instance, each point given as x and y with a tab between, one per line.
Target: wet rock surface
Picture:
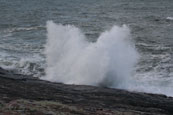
31	96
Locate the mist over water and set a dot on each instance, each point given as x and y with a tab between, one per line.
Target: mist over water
71	59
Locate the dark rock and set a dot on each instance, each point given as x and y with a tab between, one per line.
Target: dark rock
21	94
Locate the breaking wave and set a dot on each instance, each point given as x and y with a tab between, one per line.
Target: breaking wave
71	59
109	62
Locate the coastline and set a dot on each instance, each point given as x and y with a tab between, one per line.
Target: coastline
21	94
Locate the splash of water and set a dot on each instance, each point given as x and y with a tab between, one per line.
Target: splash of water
71	59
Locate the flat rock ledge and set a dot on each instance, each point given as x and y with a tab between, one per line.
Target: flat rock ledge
24	95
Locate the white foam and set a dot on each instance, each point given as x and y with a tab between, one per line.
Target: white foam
152	82
17	29
24	65
73	60
169	18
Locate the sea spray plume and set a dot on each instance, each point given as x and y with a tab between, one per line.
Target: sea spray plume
71	59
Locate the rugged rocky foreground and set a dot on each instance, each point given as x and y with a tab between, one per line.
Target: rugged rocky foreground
23	95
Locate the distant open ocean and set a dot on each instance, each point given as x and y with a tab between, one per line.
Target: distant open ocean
75	41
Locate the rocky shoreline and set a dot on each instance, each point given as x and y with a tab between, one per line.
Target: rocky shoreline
26	95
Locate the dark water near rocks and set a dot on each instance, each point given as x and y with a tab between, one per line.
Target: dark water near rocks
23	32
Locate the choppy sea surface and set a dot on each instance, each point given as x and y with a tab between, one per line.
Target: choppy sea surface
23	34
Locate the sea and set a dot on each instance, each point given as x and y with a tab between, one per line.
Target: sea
126	44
